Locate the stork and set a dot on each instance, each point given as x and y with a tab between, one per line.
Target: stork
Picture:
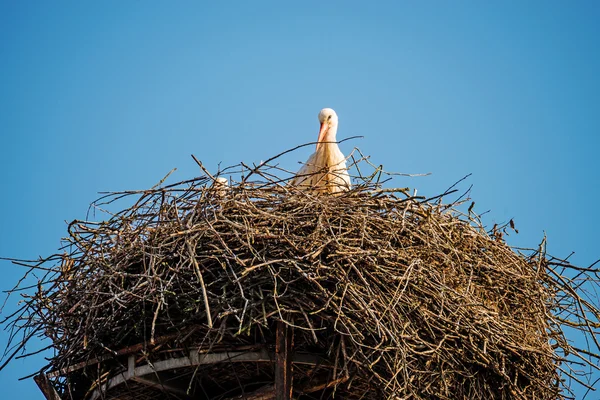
325	171
220	185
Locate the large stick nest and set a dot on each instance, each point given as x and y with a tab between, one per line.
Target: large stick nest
402	297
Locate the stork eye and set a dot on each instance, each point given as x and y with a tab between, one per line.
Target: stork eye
329	117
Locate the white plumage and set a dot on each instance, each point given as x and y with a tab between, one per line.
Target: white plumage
220	185
325	170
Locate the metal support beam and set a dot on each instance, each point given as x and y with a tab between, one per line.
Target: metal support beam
283	362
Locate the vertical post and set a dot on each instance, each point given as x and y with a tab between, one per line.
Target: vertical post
283	362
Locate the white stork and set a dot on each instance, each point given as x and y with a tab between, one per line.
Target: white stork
325	171
220	185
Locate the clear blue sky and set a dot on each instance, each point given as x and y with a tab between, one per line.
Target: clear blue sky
112	95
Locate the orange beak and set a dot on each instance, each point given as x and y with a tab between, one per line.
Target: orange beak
322	133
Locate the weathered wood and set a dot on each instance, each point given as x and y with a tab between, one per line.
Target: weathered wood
127	350
181	393
172	363
283	362
46	387
195	358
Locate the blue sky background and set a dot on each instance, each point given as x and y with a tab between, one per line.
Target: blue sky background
112	95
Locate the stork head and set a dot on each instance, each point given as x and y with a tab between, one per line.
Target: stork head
220	185
221	181
329	120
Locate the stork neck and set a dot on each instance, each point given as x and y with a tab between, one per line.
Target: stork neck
330	135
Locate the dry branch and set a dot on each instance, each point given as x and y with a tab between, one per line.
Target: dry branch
404	298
